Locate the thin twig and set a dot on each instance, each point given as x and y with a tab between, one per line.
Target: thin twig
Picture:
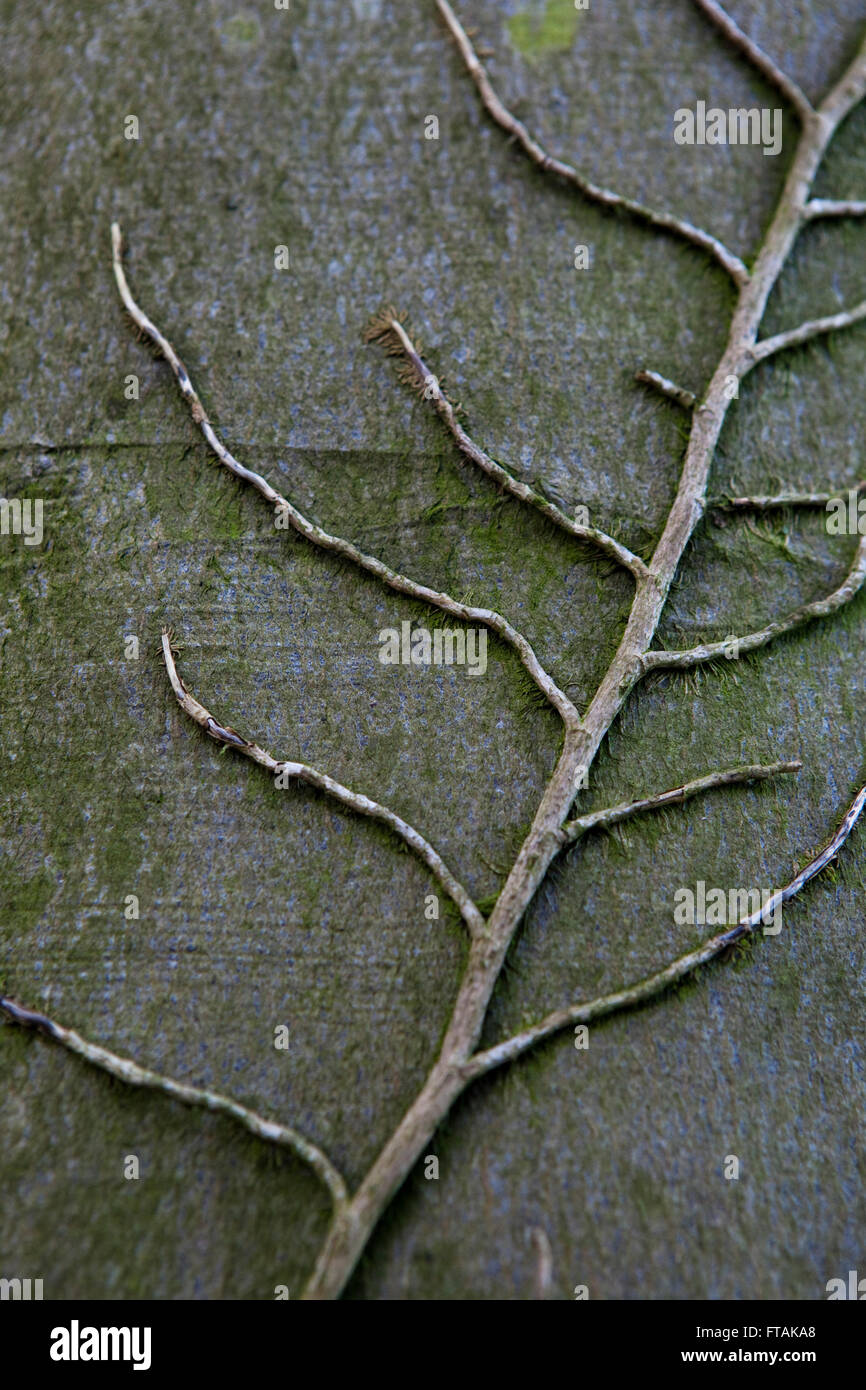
503	117
758	58
388	329
446	1078
134	1075
768	347
785	499
612	815
834	207
488	953
668	388
354	800
655	985
336	544
821	608
544	1261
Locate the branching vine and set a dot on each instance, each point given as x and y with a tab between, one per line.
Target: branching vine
553	828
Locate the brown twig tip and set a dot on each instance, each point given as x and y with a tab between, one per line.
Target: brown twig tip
381	325
169	649
392	332
388	327
169	635
401	583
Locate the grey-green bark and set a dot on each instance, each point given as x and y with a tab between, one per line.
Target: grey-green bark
109	794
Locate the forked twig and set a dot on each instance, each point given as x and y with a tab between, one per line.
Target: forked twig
486	616
458	1062
654	985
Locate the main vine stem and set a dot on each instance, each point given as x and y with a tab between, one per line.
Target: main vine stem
354	1221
